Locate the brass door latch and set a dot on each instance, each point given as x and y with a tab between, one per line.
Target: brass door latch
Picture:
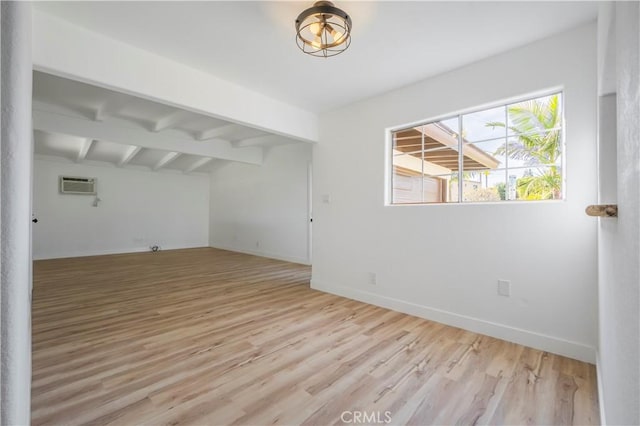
602	210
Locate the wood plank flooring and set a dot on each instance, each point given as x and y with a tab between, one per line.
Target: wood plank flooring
210	337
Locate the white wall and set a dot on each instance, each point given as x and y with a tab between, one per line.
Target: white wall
442	261
263	210
138	209
15	204
619	239
68	50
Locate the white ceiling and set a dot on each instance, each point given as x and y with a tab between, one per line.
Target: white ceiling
393	44
80	123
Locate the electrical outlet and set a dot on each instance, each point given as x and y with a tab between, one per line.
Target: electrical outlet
257	244
326	199
373	279
504	288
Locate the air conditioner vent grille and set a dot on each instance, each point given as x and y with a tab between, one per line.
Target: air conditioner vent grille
78	185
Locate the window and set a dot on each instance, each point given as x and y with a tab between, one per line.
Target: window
508	153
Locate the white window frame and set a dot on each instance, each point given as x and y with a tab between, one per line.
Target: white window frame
388	195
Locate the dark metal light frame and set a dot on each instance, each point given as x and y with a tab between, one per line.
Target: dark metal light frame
329	18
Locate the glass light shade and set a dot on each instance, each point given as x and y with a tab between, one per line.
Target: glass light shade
323	30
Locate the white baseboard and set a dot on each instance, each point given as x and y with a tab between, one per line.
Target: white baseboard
520	336
108	252
603	417
292	259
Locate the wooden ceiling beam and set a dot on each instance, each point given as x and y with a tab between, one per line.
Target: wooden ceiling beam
197	164
165	160
132	151
218	132
84	149
81	127
111	106
171	120
258	141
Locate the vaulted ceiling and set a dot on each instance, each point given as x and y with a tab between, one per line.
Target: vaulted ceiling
84	123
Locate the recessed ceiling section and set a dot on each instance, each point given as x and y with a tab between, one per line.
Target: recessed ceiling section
147	157
140	110
80	122
185	161
65	93
202	124
245	133
56	145
104	151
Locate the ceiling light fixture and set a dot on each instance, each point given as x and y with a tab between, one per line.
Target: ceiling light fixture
323	30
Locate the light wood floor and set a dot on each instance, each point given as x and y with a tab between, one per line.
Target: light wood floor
210	337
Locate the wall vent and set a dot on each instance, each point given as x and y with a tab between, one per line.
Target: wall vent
78	185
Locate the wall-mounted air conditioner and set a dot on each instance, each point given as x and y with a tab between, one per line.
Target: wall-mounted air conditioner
78	185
